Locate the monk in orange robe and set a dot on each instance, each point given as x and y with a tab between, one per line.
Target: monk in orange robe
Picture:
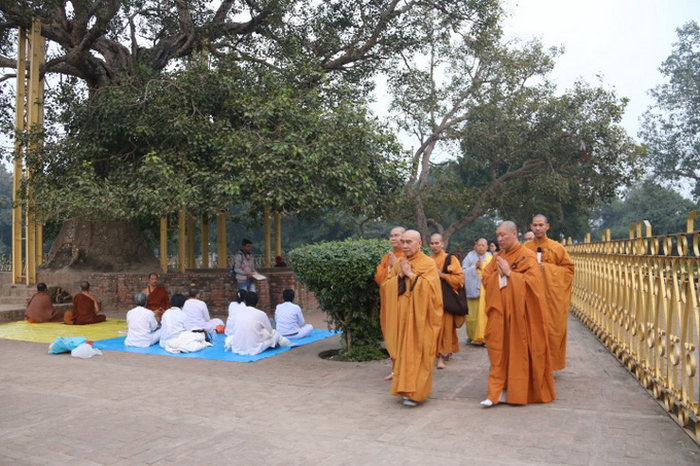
558	274
447	341
412	292
85	307
40	307
385	265
516	331
158	297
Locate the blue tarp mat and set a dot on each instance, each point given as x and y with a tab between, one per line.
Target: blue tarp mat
215	352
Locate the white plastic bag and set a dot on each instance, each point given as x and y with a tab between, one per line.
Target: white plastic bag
85	351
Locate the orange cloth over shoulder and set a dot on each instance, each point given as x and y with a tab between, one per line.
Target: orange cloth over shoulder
419	320
447	341
380	277
558	280
158	299
516	334
84	310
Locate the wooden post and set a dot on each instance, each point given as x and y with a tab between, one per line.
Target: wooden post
266	229
164	244
221	241
205	242
181	242
278	234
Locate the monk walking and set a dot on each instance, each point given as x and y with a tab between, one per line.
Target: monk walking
473	267
447	341
558	275
385	265
413	294
516	333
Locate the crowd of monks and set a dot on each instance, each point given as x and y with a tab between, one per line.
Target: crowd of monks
518	305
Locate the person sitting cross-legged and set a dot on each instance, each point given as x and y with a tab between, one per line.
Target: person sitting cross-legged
253	332
174	320
290	319
142	325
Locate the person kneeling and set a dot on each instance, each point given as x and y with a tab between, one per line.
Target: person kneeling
253	333
142	324
289	318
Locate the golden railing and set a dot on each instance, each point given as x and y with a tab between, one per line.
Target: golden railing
640	298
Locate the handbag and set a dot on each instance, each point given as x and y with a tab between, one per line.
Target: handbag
454	302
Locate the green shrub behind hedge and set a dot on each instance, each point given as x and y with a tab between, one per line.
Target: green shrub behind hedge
341	276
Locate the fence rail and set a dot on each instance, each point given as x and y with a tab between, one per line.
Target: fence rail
639	296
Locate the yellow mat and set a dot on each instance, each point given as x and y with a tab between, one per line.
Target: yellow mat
46	333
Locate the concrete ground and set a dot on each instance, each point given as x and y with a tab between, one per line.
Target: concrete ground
298	409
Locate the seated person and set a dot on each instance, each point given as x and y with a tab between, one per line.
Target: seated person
85	308
289	318
198	314
174	320
279	262
233	310
142	324
253	333
40	307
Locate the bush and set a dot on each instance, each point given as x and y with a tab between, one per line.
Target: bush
341	276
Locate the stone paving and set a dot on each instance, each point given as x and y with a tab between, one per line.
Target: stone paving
298	409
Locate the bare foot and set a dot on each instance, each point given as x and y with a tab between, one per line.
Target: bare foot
389	377
441	363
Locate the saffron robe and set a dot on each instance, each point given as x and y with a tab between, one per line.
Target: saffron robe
447	341
388	330
476	296
158	299
84	310
419	320
40	309
558	281
516	332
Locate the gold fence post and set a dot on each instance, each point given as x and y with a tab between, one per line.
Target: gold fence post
205	242
278	234
221	242
20	99
181	242
164	244
266	230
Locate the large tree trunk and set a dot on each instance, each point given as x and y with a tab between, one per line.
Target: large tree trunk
109	246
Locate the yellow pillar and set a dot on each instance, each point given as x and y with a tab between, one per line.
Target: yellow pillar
181	242
20	99
266	228
205	242
190	241
221	241
164	244
278	234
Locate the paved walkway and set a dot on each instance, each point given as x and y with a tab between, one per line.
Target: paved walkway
297	409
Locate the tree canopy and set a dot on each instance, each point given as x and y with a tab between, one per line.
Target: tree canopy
671	127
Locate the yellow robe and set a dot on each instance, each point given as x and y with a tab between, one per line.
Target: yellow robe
476	319
558	280
389	331
447	341
419	312
516	333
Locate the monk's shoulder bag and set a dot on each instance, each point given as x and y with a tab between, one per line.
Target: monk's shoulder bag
454	302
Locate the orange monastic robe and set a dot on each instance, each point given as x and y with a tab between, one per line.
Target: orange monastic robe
558	280
447	341
84	310
380	277
40	309
158	299
516	333
419	317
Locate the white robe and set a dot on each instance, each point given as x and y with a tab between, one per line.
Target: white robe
290	321
187	342
198	315
253	333
233	309
173	323
142	325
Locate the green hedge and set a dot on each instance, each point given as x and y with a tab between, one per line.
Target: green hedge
341	276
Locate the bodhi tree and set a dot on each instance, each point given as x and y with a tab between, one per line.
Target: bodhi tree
492	132
275	116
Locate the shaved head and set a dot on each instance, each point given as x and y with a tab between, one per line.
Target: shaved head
437	244
410	242
508	226
395	236
481	246
507	235
539	226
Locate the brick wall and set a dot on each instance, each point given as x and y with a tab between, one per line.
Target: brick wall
115	291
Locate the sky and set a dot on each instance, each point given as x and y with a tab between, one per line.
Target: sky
623	41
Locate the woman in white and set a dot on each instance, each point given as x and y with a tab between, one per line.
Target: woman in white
142	324
289	318
253	333
174	320
233	310
198	314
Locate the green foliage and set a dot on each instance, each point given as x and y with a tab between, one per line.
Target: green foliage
671	127
341	276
